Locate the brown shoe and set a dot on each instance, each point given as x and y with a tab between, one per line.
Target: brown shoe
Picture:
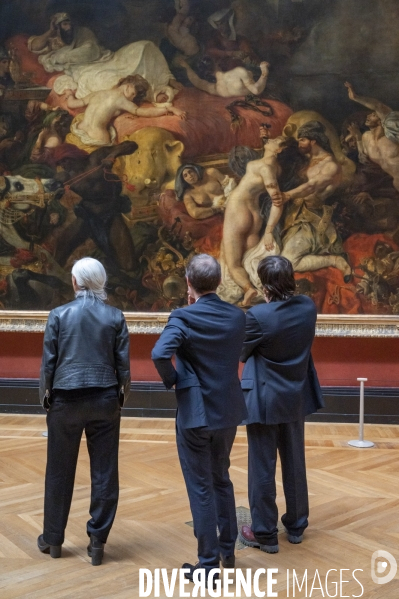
248	538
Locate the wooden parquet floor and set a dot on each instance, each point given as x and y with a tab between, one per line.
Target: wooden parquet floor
354	499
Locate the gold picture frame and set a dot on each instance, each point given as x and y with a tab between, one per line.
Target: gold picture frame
144	323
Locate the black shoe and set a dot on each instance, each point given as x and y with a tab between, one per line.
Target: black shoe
294	539
228	561
53	550
189	575
95	550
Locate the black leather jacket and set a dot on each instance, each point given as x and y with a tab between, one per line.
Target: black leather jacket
86	344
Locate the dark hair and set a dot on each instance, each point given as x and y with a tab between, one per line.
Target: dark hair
239	157
314	130
206	69
181	185
141	86
68	35
204	273
62	126
277	277
291	161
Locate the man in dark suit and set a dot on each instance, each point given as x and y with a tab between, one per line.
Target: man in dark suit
206	338
281	387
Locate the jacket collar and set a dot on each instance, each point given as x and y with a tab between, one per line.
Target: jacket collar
208	297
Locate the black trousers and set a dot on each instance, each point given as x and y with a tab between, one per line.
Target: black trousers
205	460
97	412
263	442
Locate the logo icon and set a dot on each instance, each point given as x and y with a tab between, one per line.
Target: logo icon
379	567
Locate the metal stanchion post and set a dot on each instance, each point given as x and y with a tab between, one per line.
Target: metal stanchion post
360	442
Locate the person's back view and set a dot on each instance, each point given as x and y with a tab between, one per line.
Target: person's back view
84	378
206	338
281	387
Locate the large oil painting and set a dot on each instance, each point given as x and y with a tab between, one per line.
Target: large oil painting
141	132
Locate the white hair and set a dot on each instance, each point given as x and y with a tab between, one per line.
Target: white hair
91	278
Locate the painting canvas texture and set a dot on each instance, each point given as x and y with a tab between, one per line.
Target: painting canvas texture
143	132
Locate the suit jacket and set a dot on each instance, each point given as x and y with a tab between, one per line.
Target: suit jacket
279	380
206	338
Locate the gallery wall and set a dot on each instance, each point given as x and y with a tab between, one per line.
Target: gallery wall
339	361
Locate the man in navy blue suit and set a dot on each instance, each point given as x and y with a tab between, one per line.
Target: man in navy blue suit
281	387
206	337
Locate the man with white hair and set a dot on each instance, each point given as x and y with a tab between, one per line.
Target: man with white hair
84	380
66	44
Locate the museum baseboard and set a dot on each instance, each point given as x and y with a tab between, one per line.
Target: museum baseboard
152	400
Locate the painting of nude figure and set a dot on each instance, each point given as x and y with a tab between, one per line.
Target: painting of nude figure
143	132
